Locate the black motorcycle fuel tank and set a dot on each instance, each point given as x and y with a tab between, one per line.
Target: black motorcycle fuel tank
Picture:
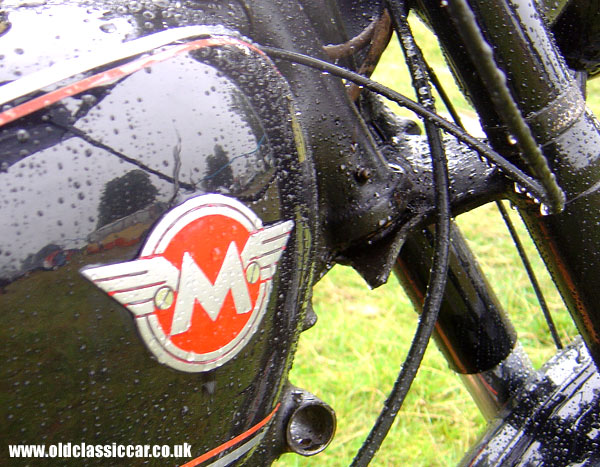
156	245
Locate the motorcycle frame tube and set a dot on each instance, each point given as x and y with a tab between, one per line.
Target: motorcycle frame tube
341	144
568	242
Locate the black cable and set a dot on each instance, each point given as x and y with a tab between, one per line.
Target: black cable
512	171
532	278
437	282
445	98
428	318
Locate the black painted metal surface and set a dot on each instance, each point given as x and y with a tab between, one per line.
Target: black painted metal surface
84	180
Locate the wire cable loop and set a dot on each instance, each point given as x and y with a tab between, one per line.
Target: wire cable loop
437	281
528	184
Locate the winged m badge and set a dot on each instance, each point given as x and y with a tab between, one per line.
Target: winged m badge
200	286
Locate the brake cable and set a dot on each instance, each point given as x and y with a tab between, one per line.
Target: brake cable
432	122
528	183
439	270
531	274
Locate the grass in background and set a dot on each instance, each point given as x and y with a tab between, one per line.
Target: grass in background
351	357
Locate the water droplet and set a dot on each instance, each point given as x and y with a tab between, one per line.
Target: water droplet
108	28
519	189
134	7
22	136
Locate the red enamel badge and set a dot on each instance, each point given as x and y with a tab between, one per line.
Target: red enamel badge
200	286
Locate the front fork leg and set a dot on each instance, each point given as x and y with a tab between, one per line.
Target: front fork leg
473	331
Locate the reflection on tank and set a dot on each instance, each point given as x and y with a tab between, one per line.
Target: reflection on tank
49	258
125	195
219	176
96	159
125	231
218	171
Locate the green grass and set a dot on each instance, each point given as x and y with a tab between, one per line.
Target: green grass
351	357
593	95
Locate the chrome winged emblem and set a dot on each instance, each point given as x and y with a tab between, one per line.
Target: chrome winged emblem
195	296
